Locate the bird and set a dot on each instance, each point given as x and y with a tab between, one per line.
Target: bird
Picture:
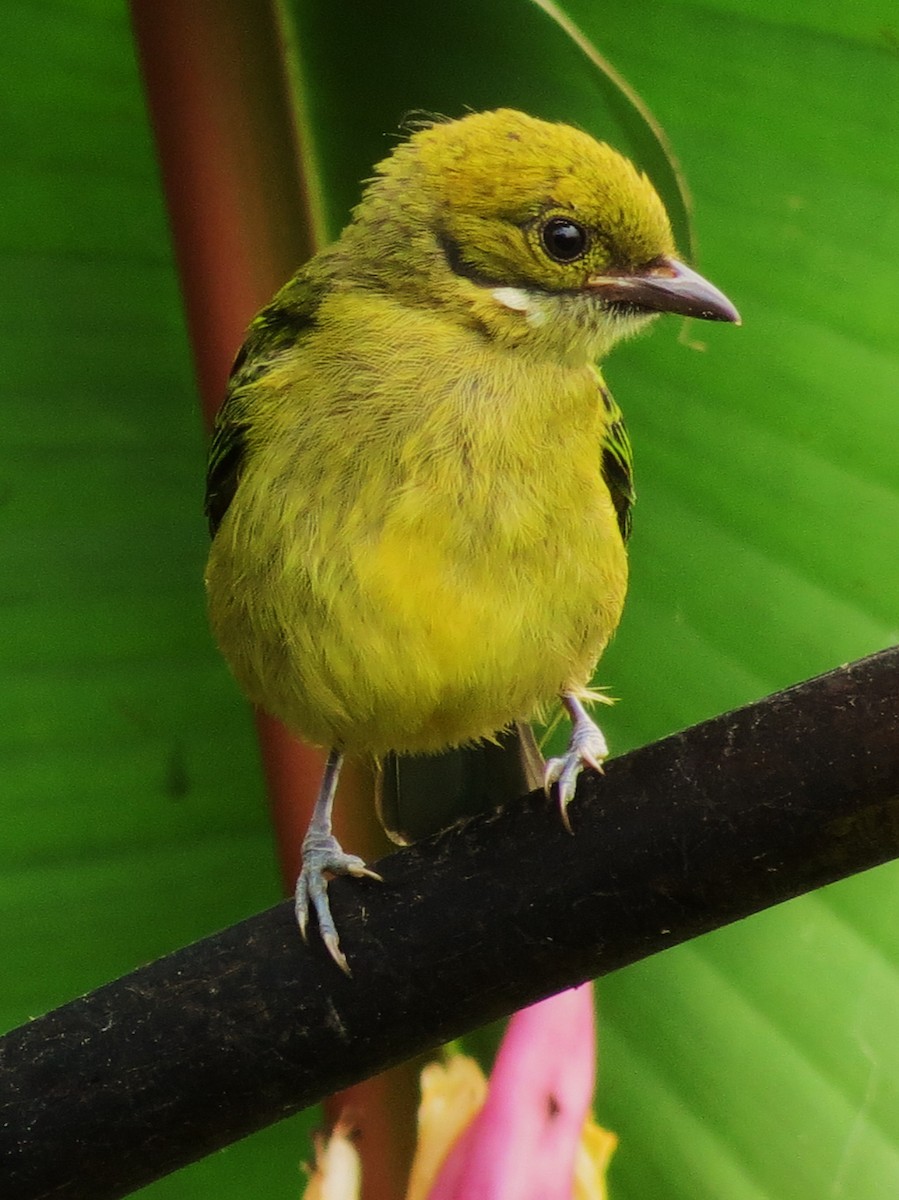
419	486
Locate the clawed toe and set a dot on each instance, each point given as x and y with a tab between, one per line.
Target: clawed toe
587	748
323	856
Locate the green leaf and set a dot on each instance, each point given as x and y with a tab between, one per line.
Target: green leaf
757	1062
132	818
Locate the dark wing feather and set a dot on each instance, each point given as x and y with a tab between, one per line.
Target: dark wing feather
226	455
274	332
618	463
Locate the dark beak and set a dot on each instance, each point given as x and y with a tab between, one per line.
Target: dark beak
666	286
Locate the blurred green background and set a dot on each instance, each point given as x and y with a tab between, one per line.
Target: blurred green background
761	1062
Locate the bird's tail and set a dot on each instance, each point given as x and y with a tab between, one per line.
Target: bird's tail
419	794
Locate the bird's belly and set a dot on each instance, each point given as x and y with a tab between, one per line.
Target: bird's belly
439	630
481	641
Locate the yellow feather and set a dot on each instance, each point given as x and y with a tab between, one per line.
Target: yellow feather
422	547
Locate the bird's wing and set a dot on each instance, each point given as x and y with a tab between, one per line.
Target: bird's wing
277	329
618	463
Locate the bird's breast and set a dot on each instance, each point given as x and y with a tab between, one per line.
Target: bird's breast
497	572
439	555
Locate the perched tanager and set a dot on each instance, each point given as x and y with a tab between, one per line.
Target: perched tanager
419	485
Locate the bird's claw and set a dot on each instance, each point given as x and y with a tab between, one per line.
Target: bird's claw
587	748
323	854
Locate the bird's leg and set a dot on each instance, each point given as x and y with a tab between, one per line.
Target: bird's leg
321	853
586	748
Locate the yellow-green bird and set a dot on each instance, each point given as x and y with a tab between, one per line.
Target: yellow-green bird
419	486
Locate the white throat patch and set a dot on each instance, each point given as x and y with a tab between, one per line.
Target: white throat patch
520	300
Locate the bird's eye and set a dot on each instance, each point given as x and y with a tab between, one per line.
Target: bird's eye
564	240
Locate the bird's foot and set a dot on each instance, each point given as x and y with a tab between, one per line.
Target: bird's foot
322	854
587	748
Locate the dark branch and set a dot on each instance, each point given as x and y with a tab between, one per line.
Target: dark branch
198	1049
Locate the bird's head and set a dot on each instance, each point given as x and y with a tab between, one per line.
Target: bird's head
539	234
